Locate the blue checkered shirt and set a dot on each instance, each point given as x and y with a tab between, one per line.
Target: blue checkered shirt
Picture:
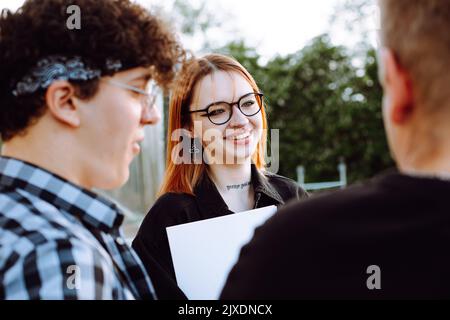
60	241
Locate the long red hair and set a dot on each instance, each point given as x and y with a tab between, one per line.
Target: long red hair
182	178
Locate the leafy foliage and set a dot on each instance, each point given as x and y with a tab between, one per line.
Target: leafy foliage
325	108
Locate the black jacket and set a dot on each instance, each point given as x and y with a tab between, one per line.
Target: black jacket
328	246
171	209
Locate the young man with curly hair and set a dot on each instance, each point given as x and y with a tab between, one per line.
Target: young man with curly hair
73	105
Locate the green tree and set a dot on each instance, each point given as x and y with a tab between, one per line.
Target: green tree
324	107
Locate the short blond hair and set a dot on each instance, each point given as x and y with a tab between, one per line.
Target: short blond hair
418	32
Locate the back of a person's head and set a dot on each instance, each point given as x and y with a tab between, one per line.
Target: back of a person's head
110	30
418	32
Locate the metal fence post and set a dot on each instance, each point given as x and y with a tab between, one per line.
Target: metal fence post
342	167
301	175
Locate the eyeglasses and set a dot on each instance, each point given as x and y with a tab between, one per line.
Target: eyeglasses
148	96
221	112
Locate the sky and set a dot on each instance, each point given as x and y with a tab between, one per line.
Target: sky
280	26
273	27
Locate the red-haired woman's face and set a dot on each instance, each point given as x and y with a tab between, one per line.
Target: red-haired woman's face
234	141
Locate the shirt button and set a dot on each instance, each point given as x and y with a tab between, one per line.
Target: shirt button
120	241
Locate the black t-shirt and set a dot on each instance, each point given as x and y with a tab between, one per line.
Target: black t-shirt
151	242
330	246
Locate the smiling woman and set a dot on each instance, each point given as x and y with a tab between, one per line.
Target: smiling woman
218	103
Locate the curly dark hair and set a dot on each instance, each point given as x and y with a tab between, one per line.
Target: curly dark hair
116	29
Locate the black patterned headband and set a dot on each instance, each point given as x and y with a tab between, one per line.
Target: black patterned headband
56	67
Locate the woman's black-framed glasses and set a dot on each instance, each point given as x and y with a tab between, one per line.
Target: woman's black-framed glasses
221	112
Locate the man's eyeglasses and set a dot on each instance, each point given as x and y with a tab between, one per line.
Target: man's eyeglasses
221	112
148	96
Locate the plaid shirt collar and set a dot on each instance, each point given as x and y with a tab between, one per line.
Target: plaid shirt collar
91	209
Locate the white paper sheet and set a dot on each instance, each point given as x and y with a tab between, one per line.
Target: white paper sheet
204	252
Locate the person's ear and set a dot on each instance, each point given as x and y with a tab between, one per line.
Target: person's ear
398	87
62	103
